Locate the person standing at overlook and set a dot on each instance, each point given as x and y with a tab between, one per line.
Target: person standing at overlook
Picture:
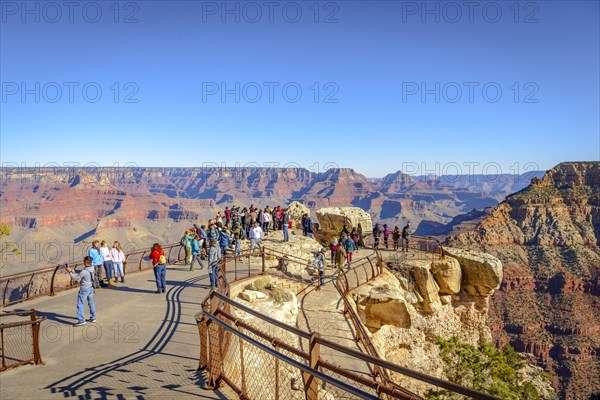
118	258
396	237
256	235
108	262
406	233
227	216
214	257
157	255
97	263
86	290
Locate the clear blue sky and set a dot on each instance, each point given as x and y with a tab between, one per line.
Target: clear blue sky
370	61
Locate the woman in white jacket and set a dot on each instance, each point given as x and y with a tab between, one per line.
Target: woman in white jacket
118	257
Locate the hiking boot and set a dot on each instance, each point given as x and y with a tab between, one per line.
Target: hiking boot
81	323
122	279
92	320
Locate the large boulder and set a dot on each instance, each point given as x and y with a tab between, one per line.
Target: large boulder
482	272
332	219
297	209
382	302
447	274
427	287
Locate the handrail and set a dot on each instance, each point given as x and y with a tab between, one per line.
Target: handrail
25	288
391	388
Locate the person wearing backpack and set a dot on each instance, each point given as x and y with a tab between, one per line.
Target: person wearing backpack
196	251
186	242
237	237
159	262
223	240
396	237
319	264
376	234
406	233
214	257
86	290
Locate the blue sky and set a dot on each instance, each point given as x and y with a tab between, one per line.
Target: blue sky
426	87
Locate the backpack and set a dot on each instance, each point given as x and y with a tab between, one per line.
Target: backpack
183	240
162	259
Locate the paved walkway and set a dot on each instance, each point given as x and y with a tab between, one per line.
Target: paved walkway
146	345
143	346
323	311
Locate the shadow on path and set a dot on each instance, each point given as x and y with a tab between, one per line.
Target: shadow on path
147	371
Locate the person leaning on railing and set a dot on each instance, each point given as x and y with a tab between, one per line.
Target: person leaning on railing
86	290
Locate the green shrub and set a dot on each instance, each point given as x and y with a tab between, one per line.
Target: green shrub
482	368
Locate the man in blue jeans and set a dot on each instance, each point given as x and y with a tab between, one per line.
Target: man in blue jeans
214	257
286	223
86	290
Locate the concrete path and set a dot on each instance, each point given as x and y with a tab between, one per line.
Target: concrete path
143	346
322	311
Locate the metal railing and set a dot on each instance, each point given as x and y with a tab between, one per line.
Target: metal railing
420	248
19	340
49	281
267	360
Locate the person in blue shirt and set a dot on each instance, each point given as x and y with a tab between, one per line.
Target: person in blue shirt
196	250
97	263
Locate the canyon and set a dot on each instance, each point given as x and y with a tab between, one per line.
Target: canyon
547	237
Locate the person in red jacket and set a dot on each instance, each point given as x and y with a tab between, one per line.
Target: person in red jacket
157	255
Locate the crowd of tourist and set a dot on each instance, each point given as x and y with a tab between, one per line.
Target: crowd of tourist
208	243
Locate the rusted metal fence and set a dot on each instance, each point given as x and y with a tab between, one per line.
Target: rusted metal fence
262	358
49	281
19	339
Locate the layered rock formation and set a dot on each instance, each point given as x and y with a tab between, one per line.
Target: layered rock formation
137	206
547	237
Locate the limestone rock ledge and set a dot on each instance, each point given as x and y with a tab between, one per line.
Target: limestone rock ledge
415	301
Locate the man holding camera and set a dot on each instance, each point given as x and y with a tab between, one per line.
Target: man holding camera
86	290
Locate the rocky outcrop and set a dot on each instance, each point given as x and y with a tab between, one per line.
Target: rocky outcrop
297	210
333	219
448	275
428	288
383	303
547	236
481	272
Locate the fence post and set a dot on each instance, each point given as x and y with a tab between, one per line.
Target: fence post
52	280
262	253
35	330
311	385
4	295
3	349
202	331
242	366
